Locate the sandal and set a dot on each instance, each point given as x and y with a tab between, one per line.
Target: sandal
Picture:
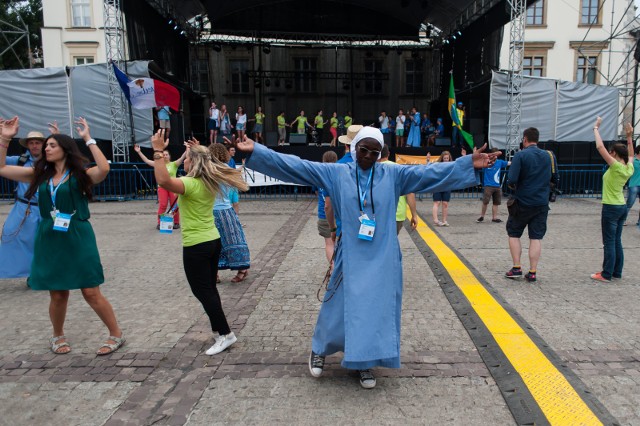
240	276
119	342
55	347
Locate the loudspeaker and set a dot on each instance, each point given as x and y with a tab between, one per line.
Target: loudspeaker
297	138
388	138
443	141
271	138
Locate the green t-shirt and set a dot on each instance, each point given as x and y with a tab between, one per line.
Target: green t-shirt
635	179
281	122
401	211
613	181
301	123
259	118
347	121
319	122
172	168
334	122
196	213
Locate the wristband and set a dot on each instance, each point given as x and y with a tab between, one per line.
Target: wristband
91	142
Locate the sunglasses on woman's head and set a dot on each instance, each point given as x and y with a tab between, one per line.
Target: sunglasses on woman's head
366	151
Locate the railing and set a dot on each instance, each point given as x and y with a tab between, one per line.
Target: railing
136	181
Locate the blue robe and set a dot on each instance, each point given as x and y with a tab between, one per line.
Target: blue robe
362	318
414	134
19	231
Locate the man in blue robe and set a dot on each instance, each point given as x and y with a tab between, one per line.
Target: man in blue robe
19	230
361	310
414	134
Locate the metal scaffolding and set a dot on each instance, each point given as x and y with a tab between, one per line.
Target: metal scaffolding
514	90
114	43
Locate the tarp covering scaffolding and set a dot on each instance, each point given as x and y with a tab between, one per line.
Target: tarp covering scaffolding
43	95
560	110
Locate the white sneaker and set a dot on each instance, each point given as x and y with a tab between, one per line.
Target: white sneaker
222	343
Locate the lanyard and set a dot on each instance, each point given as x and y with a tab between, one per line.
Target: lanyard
362	195
53	190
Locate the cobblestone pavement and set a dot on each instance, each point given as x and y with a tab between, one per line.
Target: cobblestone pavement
162	377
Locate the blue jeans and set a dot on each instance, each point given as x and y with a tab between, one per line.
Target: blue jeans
612	221
632	195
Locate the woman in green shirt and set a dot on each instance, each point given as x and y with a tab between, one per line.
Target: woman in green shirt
258	128
319	123
614	208
200	238
301	123
334	128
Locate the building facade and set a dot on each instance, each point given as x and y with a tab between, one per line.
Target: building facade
588	41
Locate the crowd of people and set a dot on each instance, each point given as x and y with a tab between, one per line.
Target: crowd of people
408	129
362	199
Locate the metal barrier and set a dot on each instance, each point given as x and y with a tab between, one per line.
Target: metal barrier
136	181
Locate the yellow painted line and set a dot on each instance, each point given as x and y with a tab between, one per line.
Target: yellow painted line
557	399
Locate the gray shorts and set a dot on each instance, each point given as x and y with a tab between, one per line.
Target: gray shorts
323	228
164	124
282	133
492	192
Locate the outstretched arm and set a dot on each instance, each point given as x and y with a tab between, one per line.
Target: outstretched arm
163	178
8	129
99	172
602	150
629	130
143	157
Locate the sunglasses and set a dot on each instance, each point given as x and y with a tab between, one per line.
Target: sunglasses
367	151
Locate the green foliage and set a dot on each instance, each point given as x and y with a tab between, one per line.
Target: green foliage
14	17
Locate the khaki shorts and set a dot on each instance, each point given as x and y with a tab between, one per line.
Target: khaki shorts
492	192
164	124
323	228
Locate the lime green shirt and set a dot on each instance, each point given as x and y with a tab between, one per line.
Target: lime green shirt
172	168
281	122
301	123
259	118
334	122
401	211
319	123
196	217
613	181
347	121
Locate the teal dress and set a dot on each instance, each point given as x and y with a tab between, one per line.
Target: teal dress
65	260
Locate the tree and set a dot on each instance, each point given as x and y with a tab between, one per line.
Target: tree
20	41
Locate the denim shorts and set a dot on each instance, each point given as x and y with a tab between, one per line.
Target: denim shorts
534	218
442	196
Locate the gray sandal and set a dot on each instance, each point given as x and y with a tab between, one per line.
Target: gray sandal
119	342
56	346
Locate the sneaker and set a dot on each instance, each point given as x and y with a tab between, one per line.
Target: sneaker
496	220
530	277
598	277
316	364
480	219
367	380
445	223
176	226
438	223
514	273
222	342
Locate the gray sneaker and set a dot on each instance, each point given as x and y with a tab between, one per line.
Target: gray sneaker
367	380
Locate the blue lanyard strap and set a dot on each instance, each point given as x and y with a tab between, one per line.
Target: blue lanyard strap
362	195
53	190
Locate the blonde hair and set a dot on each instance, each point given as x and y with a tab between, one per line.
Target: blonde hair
442	154
212	171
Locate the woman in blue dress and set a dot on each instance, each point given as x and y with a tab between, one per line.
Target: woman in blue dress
360	313
414	133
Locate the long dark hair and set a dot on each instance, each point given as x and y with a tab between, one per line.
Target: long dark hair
75	162
620	149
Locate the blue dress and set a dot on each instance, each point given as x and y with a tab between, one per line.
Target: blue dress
414	134
362	314
19	231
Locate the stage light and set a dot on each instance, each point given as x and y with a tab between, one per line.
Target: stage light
217	47
257	84
445	41
415	54
266	49
182	32
459	33
170	21
267	82
399	51
176	27
385	50
453	36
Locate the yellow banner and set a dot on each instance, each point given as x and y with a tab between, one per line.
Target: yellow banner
415	159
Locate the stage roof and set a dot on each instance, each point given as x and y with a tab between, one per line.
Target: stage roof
340	19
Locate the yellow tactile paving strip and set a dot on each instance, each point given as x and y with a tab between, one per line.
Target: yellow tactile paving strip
555	396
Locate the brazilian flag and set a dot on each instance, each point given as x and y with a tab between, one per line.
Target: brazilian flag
453	111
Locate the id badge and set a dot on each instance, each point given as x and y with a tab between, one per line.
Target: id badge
367	229
61	222
166	224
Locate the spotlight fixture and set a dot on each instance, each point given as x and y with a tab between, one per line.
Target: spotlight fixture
459	33
257	84
445	41
217	47
170	21
415	54
266	49
267	83
182	32
453	36
175	27
399	51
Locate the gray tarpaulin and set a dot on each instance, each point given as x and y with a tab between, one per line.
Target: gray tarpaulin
560	110
40	96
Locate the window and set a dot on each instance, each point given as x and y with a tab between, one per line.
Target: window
80	13
373	84
586	69
200	75
239	76
533	66
305	78
414	77
535	13
589	12
83	60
